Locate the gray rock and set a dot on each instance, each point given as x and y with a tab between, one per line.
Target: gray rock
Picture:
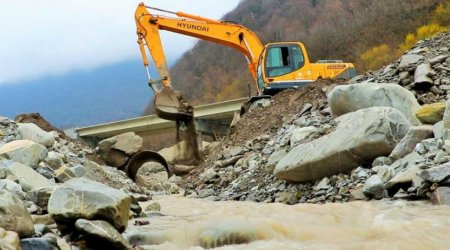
438	130
79	170
28	178
135	207
408	61
385	172
360	136
441	196
45	171
146	237
402	177
382	160
83	198
54	160
30	131
39	244
301	122
300	134
273	160
64	174
436	174
12	187
374	187
446	118
438	59
208	175
154	206
446	146
324	184
24	151
40	196
175	179
101	235
129	143
182	169
348	98
408	161
203	193
357	193
432	144
236	151
407	144
114	157
222	234
421	76
14	216
227	162
404	75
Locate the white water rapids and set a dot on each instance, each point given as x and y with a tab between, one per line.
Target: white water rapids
355	225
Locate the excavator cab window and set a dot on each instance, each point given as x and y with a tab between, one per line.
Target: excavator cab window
283	59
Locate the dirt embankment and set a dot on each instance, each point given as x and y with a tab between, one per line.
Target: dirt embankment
284	107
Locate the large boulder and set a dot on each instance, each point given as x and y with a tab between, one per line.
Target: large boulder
115	150
14	216
83	198
24	151
30	131
28	178
360	137
348	98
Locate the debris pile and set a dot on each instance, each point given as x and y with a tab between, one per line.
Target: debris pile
52	193
351	142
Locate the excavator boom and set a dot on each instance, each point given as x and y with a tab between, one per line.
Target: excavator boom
168	103
274	66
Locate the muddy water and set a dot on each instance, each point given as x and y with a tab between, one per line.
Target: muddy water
355	225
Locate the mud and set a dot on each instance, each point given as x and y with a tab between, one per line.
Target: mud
191	223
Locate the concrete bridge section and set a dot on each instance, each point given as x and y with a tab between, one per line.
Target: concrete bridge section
211	119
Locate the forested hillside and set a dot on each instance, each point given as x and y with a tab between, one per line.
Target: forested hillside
330	29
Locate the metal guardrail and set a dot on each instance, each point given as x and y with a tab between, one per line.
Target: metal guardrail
151	124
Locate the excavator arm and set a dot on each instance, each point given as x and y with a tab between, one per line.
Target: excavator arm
169	104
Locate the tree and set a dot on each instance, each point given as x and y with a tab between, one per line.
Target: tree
441	14
422	32
377	56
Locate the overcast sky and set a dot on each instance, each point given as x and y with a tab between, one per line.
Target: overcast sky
51	37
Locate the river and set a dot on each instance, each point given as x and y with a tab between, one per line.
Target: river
187	223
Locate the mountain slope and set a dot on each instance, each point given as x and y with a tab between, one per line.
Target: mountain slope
81	98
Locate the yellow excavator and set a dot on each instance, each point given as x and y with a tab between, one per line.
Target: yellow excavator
274	66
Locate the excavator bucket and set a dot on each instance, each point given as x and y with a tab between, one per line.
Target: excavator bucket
171	105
